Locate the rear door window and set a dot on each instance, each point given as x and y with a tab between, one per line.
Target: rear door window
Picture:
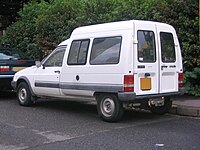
146	46
106	50
167	47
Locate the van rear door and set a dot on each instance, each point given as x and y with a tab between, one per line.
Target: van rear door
169	56
146	67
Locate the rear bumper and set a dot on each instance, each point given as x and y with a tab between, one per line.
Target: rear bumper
132	97
127	96
5	82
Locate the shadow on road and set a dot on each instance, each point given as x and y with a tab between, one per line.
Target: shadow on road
7	95
83	108
62	105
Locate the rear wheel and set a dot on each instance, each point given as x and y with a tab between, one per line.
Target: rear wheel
161	106
24	94
109	108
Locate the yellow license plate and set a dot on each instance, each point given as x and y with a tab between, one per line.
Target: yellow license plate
18	68
145	83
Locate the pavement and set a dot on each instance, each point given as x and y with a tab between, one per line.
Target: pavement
186	105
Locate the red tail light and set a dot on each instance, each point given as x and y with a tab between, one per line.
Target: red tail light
128	83
180	80
4	68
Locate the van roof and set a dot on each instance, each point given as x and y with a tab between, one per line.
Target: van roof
64	43
119	25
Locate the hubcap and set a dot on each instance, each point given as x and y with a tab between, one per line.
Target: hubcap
22	95
107	107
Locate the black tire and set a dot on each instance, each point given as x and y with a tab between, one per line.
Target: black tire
24	95
109	108
160	110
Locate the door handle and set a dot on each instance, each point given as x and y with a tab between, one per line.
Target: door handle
147	75
57	71
163	67
174	66
77	77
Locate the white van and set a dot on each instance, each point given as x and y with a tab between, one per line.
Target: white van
128	63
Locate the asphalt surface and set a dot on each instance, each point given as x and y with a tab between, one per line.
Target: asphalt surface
61	125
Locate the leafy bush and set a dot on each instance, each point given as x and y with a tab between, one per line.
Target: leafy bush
192	81
22	33
183	15
56	24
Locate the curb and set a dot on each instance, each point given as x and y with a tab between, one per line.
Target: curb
185	110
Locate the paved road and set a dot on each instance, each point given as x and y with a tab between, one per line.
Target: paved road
58	125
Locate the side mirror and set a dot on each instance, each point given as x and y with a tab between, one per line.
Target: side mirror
38	64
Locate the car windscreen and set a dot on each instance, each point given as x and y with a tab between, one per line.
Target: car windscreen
12	54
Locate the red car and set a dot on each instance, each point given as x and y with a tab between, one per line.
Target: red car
11	61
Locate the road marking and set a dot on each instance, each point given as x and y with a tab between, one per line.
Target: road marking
12	147
52	136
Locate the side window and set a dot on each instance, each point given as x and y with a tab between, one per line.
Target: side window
146	46
106	50
56	58
167	47
78	52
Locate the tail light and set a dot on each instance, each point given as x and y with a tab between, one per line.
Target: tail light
4	68
180	80
128	83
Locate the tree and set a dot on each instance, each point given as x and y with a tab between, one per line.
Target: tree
22	33
57	23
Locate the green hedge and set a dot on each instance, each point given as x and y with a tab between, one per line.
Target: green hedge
42	25
192	81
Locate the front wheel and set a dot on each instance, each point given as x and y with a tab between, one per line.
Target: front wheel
24	94
161	106
109	108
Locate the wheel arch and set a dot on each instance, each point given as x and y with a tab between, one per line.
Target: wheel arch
25	79
96	94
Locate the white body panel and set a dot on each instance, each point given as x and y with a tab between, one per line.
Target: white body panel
27	73
169	74
150	68
98	74
48	75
